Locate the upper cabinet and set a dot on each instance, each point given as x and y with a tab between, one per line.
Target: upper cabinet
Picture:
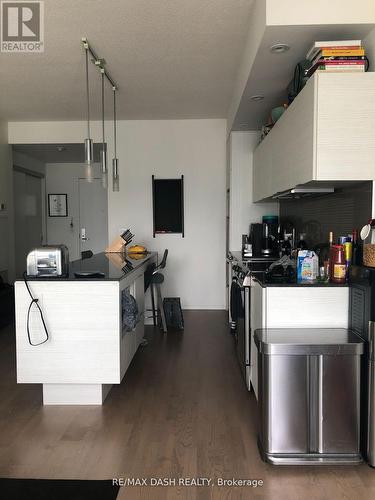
327	134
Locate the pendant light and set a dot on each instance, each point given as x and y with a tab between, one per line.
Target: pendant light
89	145
115	172
103	152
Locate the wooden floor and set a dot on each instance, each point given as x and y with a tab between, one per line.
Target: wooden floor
181	411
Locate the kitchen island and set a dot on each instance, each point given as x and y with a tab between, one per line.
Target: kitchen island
88	349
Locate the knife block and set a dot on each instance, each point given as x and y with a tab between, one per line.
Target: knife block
117	246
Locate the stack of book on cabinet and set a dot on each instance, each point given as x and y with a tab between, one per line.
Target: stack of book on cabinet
337	56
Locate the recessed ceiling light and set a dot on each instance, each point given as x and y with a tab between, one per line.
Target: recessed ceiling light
243	125
279	48
257	97
60	149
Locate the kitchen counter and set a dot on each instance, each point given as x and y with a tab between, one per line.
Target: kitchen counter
114	266
260	276
88	347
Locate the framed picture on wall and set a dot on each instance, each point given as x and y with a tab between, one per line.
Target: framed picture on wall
57	205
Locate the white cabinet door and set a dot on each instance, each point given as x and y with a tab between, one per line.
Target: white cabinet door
307	307
257	320
292	142
345	141
262	172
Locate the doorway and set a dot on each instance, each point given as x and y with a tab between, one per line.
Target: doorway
28	190
83	224
93	216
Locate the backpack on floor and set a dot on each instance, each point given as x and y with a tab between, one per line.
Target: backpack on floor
173	313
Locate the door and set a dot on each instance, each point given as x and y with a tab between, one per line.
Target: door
93	216
28	215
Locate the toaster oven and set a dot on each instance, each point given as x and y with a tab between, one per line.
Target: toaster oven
48	262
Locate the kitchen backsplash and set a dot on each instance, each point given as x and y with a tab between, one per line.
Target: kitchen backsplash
340	212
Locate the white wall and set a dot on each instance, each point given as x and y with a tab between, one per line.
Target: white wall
63	178
257	26
195	148
166	148
242	209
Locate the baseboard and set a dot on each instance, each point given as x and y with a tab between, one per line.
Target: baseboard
210	307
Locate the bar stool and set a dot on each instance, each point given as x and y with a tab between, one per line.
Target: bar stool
154	279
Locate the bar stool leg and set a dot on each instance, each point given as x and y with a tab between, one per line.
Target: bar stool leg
161	308
153	304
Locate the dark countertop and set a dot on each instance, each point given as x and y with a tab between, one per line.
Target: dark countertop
112	265
260	277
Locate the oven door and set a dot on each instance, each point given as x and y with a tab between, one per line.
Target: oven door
243	334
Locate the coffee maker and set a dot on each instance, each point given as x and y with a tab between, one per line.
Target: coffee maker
263	237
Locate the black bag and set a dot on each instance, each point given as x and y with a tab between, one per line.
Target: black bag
173	313
299	79
129	311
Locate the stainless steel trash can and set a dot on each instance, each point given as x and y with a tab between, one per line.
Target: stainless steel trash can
309	396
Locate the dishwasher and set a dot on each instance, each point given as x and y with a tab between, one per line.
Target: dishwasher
309	396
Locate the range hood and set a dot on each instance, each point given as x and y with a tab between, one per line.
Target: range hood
302	192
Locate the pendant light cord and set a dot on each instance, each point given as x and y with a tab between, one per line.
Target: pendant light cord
88	93
103	109
114	121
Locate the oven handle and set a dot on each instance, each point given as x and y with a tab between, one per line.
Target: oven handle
247	325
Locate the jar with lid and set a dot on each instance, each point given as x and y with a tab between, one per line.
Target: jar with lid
337	264
368	237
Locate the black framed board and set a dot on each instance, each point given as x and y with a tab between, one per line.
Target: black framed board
168	206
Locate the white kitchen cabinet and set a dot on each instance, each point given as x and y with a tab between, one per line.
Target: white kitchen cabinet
262	182
294	307
325	135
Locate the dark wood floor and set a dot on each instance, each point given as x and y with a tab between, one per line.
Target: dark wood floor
181	411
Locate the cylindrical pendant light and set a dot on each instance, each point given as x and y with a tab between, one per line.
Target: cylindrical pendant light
115	171
89	145
103	152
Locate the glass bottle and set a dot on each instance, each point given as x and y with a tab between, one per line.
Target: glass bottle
337	264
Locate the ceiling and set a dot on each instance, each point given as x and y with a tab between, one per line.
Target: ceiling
57	153
170	59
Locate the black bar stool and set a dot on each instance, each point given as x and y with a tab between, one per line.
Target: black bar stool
154	279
